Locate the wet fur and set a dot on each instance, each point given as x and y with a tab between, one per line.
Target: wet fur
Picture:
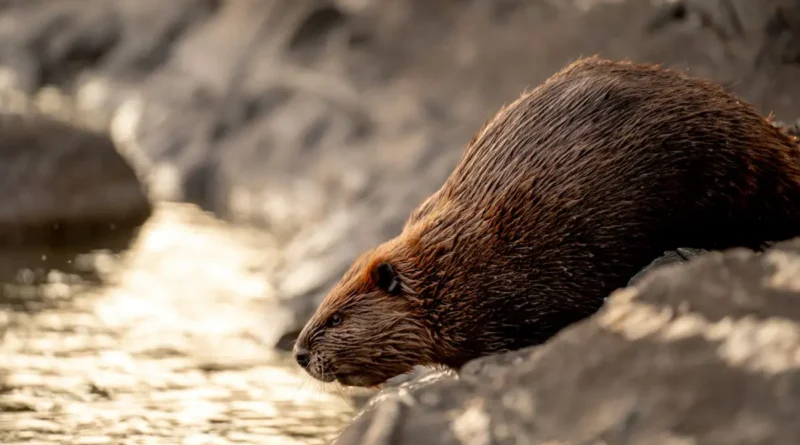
558	200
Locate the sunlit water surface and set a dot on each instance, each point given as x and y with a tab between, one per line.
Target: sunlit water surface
163	343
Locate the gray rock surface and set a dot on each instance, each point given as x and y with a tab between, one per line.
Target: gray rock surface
63	184
326	122
678	256
706	352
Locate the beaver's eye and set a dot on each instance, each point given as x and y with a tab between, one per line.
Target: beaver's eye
334	321
386	279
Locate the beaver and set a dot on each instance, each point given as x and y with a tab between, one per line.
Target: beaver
557	201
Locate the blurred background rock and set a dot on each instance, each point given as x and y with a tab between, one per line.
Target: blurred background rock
318	124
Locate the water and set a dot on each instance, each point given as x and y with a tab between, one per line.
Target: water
162	343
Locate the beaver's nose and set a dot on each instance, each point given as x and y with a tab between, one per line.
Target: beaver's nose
302	356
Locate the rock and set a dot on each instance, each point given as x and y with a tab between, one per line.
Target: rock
63	184
706	352
678	256
792	129
56	43
328	122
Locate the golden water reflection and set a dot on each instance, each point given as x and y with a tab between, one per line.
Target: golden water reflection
171	348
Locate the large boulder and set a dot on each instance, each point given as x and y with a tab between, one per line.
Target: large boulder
706	352
63	184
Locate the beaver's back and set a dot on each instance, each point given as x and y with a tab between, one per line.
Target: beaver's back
566	193
621	148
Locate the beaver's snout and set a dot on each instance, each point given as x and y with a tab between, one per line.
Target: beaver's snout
302	356
313	363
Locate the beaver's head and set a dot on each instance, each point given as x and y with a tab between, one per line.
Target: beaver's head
450	288
372	326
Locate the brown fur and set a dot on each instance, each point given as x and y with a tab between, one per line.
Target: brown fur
557	201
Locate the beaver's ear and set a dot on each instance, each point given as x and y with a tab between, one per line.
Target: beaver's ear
384	276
